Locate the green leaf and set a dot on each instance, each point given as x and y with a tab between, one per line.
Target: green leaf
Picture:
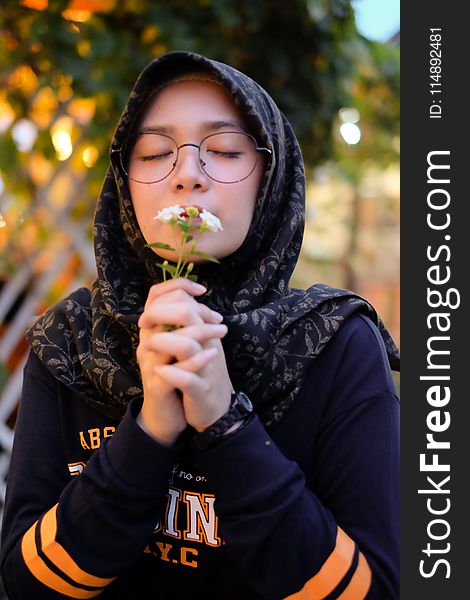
205	256
192	277
161	246
169	268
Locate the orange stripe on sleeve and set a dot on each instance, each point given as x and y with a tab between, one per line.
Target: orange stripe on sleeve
56	553
332	572
360	582
42	572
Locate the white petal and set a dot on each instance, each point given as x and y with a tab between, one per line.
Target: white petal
169	213
211	221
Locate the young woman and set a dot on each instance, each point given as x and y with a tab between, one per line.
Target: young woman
230	439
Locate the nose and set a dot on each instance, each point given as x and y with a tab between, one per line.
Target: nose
188	174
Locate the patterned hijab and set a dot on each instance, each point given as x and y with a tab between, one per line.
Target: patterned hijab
89	340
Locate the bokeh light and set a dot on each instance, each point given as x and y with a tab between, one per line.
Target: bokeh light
7	115
62	138
89	156
350	133
24	133
349	115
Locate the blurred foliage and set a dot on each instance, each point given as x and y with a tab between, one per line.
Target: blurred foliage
375	93
300	51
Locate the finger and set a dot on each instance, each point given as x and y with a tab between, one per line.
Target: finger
184	375
184	342
191	287
196	363
179	314
172	345
178	295
204	332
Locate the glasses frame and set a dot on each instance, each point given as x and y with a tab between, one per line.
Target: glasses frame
122	151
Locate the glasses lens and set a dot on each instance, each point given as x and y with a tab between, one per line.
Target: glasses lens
228	157
152	158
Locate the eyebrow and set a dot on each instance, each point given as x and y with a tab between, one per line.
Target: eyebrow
215	125
206	125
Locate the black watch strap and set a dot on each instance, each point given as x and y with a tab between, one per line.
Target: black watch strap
240	409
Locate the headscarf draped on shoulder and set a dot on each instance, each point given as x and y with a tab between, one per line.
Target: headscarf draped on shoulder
89	340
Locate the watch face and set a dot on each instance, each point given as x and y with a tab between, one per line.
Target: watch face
244	401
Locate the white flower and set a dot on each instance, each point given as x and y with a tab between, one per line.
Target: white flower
170	213
192	222
211	222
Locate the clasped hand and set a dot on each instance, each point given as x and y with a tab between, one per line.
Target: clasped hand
184	372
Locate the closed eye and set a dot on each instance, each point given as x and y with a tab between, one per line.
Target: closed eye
225	154
161	156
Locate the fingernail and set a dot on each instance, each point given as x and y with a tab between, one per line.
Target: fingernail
217	316
199	287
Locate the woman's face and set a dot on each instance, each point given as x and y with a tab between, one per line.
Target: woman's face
188	111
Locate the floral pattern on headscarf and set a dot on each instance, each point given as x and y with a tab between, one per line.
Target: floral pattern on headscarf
89	340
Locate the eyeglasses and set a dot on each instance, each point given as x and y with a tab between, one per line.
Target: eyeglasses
227	157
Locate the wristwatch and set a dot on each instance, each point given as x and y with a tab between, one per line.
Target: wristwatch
240	409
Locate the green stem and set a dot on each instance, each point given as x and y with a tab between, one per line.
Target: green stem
180	255
184	254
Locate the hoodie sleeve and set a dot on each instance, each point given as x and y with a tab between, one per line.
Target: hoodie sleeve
56	529
332	531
